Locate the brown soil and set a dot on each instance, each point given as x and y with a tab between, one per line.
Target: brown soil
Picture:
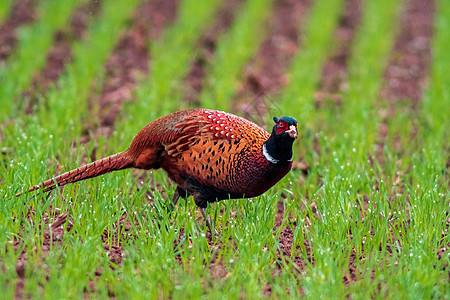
22	12
264	74
334	72
61	53
407	70
206	48
408	67
130	58
53	234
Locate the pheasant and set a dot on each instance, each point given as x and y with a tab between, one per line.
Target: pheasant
209	154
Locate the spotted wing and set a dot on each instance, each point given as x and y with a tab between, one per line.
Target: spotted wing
216	147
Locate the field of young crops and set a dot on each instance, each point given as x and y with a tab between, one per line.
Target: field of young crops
364	213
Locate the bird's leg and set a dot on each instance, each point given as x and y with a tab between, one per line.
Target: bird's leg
179	192
202	203
175	198
208	221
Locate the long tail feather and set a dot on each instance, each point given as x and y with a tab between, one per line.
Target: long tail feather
99	167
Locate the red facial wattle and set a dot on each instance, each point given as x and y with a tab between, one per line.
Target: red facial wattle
281	126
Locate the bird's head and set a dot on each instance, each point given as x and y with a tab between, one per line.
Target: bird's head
285	126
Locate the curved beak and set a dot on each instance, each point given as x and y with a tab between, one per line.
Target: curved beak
292	131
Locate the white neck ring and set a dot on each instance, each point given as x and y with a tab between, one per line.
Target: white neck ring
268	156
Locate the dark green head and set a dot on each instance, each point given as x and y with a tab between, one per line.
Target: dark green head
278	148
286	125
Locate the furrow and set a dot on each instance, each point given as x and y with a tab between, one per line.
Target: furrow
206	48
130	61
234	49
364	84
60	54
82	72
334	75
304	73
34	43
265	74
20	13
333	80
408	66
405	78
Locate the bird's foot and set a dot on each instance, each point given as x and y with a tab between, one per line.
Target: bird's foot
212	230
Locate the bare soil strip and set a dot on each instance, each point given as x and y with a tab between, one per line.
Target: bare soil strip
22	12
193	83
266	73
60	54
334	72
407	71
408	67
130	59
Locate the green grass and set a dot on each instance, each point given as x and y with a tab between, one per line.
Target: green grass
234	49
429	178
407	212
34	41
347	141
5	9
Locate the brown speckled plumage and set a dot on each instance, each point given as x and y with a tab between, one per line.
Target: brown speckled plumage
209	154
